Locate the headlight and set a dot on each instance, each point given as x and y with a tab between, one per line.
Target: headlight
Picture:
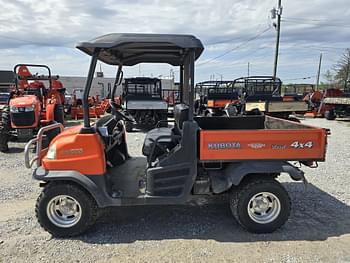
13	109
29	108
51	153
22	109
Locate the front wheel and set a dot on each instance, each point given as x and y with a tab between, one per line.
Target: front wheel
260	205
65	210
5	127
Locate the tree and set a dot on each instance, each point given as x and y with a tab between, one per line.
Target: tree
329	77
342	68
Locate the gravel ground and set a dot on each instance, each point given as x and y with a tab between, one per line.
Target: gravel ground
318	229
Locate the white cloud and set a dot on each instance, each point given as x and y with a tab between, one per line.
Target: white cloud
53	27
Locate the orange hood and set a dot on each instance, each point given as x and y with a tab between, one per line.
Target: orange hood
23	101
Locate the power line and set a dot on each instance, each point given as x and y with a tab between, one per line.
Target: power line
309	77
235	48
226	41
314	20
314	24
33	42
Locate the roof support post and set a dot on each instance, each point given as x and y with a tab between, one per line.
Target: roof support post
181	86
186	77
191	61
88	83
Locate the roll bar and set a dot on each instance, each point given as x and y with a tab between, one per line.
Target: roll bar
33	66
186	84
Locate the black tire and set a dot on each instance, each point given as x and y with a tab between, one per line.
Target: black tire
59	113
5	128
89	210
128	126
330	115
240	199
293	119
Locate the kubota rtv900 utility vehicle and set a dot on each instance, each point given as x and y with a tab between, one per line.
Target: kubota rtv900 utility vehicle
88	167
32	105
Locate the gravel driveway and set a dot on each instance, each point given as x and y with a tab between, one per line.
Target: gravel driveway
318	229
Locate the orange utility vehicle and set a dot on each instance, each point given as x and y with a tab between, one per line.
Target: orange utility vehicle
212	98
32	105
88	167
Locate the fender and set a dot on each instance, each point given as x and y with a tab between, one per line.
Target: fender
235	172
94	184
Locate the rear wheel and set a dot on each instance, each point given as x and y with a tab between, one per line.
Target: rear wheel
65	210
5	128
260	205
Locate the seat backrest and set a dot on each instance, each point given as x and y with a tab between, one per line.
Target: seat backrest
180	115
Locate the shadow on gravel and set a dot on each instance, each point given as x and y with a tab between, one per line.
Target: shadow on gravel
14	150
315	215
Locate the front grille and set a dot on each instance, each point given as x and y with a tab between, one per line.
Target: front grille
23	118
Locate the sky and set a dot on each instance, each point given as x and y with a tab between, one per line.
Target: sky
233	33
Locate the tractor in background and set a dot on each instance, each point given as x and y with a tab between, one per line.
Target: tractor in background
32	105
97	107
331	103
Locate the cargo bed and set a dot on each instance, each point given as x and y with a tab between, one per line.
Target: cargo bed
259	138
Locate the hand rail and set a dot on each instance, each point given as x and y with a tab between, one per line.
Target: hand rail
38	140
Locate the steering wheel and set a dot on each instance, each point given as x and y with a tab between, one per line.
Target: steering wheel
119	113
123	116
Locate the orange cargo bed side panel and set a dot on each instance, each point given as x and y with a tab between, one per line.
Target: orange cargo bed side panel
221	145
220	103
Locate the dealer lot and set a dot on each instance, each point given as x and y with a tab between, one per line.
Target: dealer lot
318	229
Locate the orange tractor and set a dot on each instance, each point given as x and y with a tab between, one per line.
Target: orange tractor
330	103
31	106
97	107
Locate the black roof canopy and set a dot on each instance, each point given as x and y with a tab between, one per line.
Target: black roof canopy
130	49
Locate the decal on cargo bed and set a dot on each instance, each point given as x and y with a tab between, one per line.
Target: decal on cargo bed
299	145
224	145
256	145
278	147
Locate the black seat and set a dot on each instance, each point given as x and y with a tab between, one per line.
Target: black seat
171	135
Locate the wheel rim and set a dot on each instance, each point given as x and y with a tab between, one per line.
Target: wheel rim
64	211
264	207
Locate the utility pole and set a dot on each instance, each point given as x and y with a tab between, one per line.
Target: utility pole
319	72
248	69
277	12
